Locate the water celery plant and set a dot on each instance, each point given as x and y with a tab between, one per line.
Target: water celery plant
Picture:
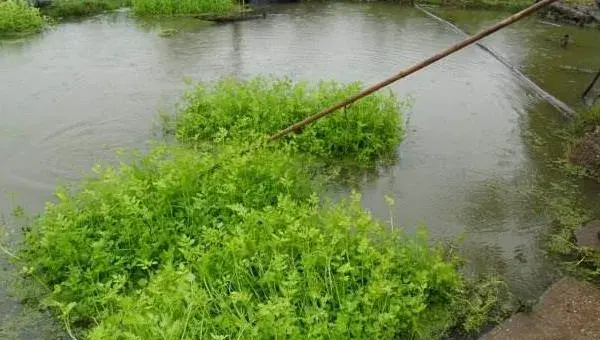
172	247
209	240
19	17
299	271
364	132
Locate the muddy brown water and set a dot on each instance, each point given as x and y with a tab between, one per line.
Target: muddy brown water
71	96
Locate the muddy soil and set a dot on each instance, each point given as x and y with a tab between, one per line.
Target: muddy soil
569	310
582	15
586	152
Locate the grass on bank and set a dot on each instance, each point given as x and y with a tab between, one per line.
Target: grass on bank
18	17
81	8
203	241
586	121
508	5
181	7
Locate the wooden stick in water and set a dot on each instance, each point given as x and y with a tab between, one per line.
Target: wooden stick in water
590	87
450	50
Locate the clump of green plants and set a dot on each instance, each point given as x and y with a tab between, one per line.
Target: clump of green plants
586	120
295	271
132	216
181	7
19	17
187	243
231	109
81	8
228	236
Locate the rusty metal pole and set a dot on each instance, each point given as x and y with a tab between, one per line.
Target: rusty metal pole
468	41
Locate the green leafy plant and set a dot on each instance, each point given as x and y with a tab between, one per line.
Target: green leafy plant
19	17
187	244
586	120
227	237
230	109
130	216
294	271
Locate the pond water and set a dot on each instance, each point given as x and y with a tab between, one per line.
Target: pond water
73	95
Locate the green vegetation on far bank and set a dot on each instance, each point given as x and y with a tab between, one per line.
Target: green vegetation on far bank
213	239
509	5
79	8
181	7
18	17
61	9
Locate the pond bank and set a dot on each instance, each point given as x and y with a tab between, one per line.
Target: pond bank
570	309
69	9
567	213
574	13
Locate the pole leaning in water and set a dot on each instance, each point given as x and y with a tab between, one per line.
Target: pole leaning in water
540	92
470	40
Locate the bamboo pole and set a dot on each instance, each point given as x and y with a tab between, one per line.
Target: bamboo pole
450	50
543	94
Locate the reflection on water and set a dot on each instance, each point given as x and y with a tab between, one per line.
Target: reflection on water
71	96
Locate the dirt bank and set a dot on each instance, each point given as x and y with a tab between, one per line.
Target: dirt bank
586	152
582	13
569	310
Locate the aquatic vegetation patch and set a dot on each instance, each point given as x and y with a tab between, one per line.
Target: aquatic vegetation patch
364	132
190	244
19	17
563	204
226	237
295	271
130	217
168	32
181	7
558	194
